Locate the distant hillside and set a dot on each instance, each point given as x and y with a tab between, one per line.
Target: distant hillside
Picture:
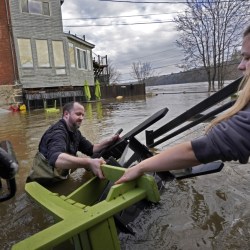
195	75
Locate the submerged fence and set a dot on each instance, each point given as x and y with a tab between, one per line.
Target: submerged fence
36	98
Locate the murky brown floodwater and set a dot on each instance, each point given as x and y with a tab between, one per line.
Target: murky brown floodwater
207	212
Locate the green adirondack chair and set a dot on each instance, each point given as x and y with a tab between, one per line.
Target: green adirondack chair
88	224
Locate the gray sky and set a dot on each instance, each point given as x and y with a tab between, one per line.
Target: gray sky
125	44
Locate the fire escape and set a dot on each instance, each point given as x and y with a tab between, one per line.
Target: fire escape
100	66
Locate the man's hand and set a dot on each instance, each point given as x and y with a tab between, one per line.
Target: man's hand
95	167
105	143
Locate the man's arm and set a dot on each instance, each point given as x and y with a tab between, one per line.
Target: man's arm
66	161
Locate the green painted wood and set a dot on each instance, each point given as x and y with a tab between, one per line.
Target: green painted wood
107	235
89	192
86	224
112	173
81	241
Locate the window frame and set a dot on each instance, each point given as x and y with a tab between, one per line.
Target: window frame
25	52
56	56
39	55
27	5
80	55
72	58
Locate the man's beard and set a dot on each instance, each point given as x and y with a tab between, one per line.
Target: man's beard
76	125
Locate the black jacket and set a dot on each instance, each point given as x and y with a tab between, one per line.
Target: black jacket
58	139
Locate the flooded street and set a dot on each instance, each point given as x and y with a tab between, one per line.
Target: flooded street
206	212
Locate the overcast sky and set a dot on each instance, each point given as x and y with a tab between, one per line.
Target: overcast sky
153	42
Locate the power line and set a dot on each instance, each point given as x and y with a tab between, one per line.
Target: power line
97	25
114	17
108	25
108	17
118	24
138	58
168	2
121	1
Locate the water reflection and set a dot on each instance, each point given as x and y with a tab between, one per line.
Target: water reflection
207	212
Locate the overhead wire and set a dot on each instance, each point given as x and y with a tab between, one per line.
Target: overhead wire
110	17
124	1
167	2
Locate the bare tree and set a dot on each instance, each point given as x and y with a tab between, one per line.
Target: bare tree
141	71
211	31
113	74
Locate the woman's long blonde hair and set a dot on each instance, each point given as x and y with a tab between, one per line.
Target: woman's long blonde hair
242	100
243	96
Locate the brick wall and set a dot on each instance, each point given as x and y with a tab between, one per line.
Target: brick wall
6	95
6	61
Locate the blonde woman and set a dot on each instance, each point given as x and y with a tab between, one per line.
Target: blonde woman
227	137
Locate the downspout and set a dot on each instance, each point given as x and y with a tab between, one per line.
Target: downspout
12	47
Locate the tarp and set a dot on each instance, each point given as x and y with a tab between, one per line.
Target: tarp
86	90
97	90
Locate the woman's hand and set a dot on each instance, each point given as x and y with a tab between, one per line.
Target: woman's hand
130	174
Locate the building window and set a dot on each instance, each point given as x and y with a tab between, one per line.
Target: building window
35	7
89	60
72	55
25	53
46	10
82	58
42	53
58	53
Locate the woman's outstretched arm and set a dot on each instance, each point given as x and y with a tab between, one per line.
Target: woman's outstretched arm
177	157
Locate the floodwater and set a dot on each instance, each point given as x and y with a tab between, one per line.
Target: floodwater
206	212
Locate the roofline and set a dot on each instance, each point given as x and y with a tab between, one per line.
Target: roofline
78	39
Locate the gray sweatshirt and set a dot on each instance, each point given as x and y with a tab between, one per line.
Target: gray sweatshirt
227	141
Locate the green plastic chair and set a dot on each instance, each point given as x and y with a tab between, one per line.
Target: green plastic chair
88	224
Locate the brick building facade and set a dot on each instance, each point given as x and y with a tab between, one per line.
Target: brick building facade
8	69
